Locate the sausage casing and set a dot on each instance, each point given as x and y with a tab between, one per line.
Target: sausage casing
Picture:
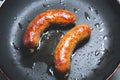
66	46
42	21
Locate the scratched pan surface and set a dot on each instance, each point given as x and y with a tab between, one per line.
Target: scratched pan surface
93	59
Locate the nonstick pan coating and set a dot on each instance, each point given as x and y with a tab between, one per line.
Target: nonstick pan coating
93	59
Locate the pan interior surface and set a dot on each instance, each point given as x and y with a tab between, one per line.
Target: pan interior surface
93	59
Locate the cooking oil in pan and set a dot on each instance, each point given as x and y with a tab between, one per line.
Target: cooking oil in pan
48	41
44	52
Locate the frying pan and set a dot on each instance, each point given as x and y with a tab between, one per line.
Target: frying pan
93	59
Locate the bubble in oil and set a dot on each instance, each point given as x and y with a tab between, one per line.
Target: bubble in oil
47	37
97	53
97	25
20	26
100	51
76	60
51	72
15	46
15	18
102	46
95	71
45	33
33	66
57	31
73	55
90	8
100	61
75	10
101	30
105	37
87	16
96	11
62	2
75	63
46	4
101	23
94	19
83	76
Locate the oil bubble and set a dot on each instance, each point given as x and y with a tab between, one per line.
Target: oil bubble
15	46
75	10
97	25
97	53
51	72
94	19
87	16
62	2
96	11
46	4
105	37
90	8
33	66
15	18
20	26
101	30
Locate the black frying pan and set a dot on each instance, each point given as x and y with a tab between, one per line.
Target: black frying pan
94	59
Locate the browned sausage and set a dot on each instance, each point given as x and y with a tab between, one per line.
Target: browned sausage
42	21
66	46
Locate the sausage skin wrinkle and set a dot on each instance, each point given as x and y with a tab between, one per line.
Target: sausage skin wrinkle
42	21
66	46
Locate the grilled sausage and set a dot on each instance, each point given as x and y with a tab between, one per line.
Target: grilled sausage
42	21
66	46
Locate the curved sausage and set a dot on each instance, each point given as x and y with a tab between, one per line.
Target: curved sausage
42	21
66	46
